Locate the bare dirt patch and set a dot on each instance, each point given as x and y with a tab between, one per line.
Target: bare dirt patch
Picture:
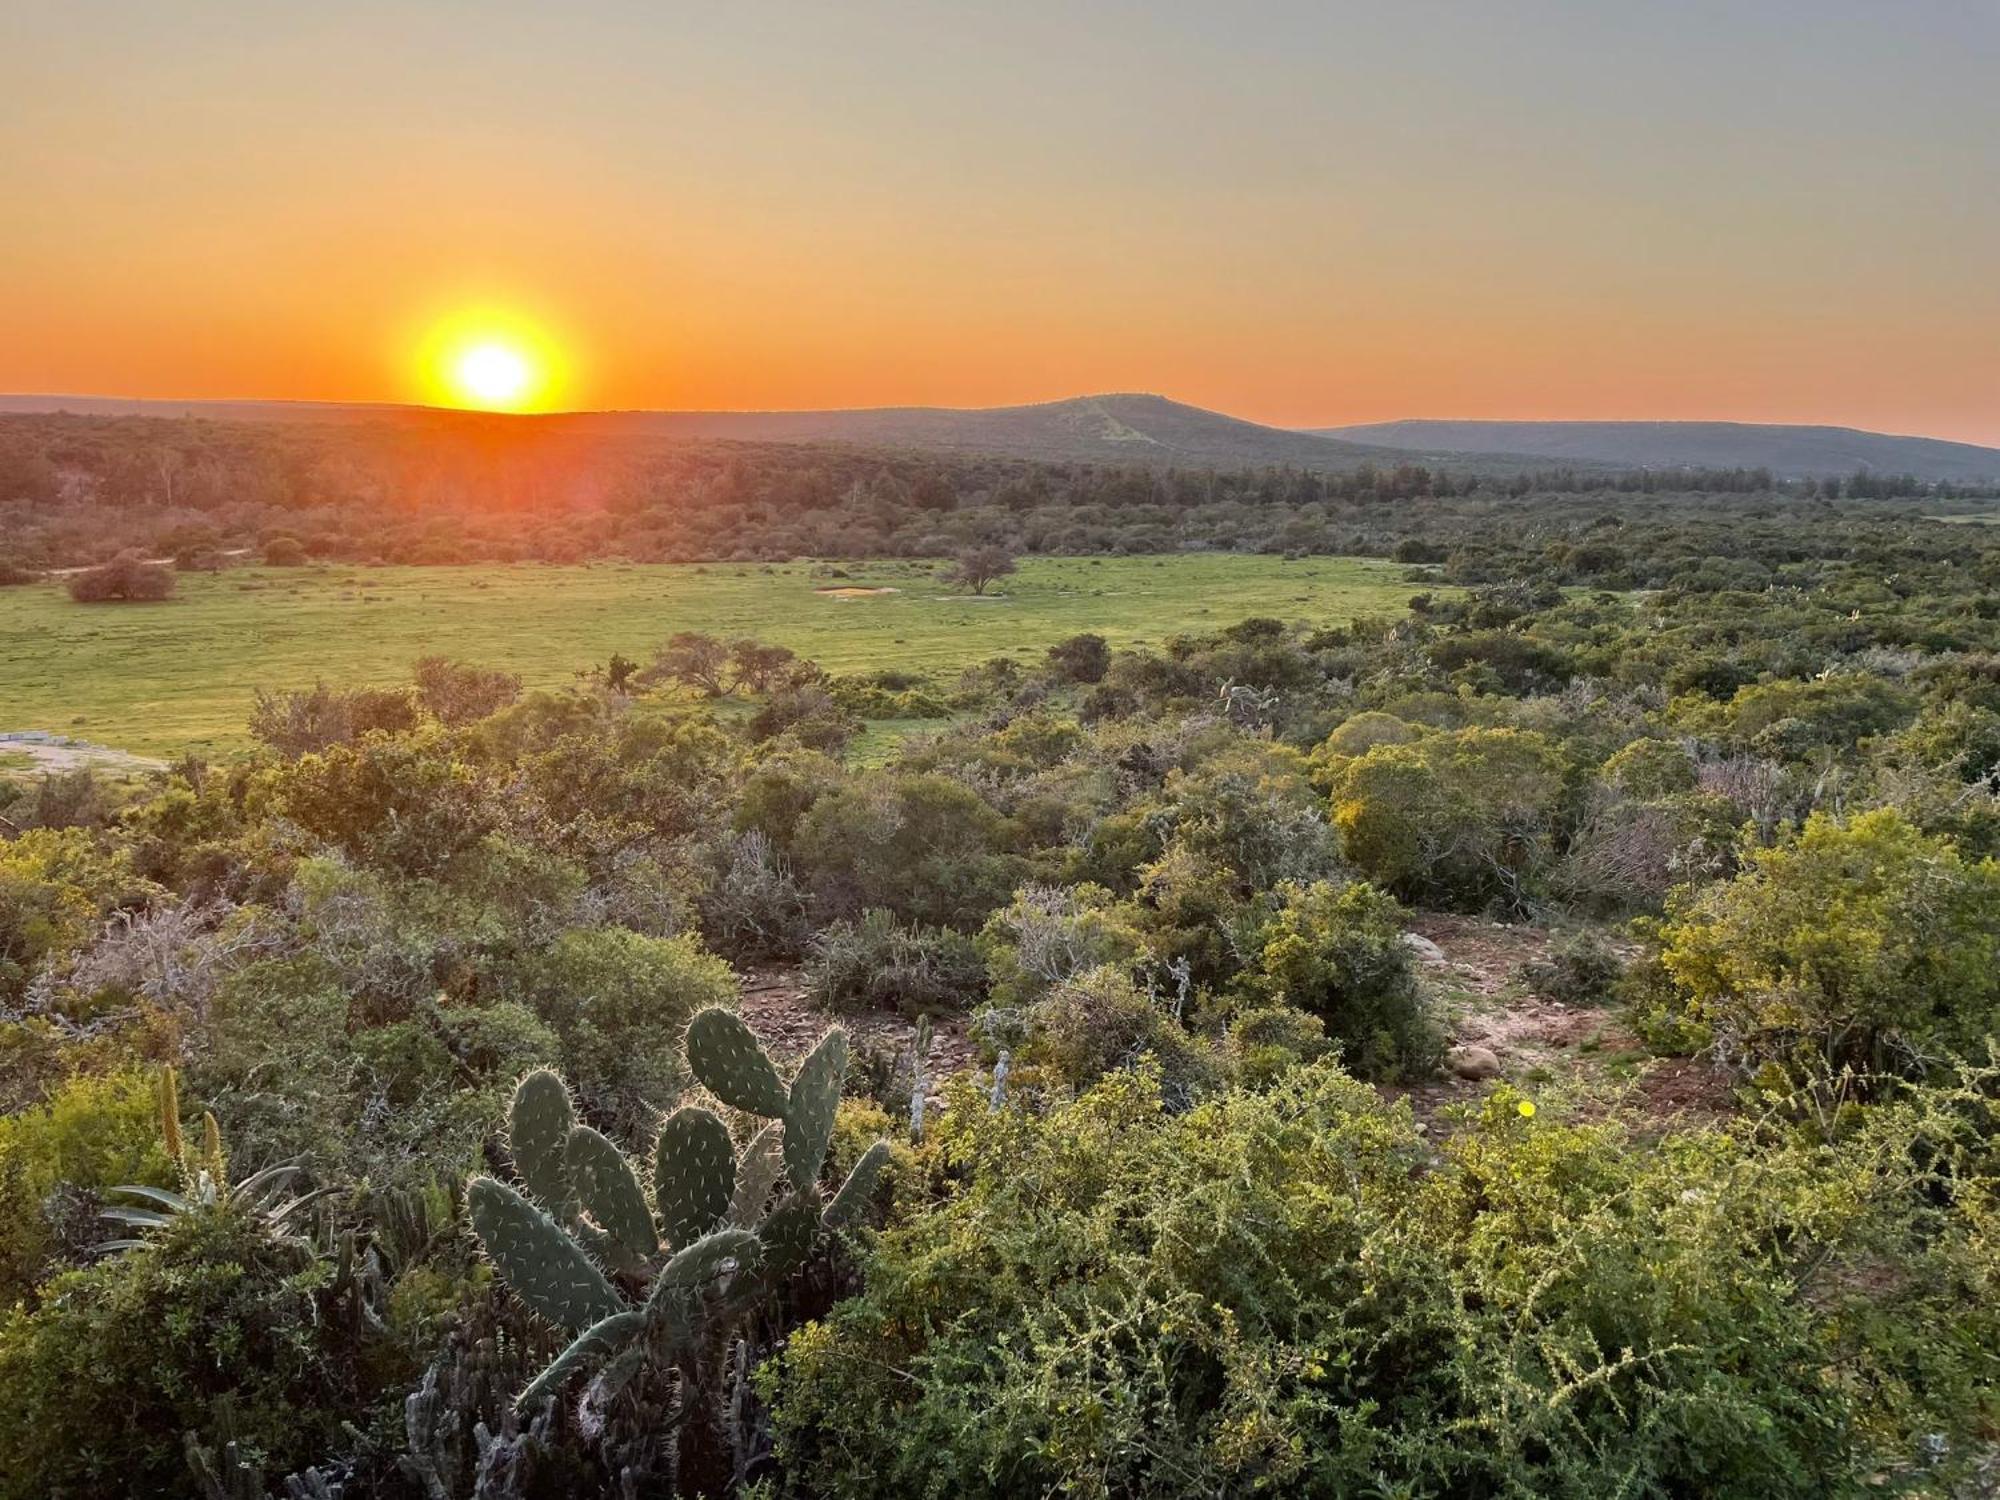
52	752
1475	968
778	1008
854	593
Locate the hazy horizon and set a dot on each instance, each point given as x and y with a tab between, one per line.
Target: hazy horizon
1302	216
1442	419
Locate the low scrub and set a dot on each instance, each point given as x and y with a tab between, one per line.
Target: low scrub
1294	1293
878	963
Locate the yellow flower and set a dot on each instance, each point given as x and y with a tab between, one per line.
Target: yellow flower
1527	1109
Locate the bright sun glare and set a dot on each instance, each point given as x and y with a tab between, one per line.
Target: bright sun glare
490	362
493	375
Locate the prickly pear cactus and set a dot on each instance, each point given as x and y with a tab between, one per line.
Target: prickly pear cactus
853	1195
726	1057
694	1174
545	1267
538	1125
810	1107
708	1245
609	1191
695	1266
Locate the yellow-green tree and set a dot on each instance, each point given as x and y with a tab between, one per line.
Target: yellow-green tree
1866	942
1459	818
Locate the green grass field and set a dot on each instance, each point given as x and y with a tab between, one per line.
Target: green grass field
163	678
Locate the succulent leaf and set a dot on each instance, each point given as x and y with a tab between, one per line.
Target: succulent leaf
546	1268
694	1174
596	1341
809	1116
726	1056
789	1233
691	1269
538	1126
757	1172
608	1190
853	1194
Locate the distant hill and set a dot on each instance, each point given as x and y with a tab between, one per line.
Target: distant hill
1125	429
1094	429
1088	429
1788	451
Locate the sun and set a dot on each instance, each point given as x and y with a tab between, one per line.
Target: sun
495	376
487	360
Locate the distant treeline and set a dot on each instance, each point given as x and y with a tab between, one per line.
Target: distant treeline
76	490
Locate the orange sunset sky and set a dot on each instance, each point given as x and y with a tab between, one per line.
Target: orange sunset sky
1765	210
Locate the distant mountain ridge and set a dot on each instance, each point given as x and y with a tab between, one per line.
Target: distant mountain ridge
1117	428
1114	429
1787	450
1147	429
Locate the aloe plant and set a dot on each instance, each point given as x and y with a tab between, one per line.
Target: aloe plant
204	1178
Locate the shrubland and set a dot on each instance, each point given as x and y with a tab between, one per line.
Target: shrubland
1190	1222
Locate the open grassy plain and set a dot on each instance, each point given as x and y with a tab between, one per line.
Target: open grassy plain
159	679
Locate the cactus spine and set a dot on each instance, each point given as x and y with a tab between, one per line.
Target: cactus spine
725	1245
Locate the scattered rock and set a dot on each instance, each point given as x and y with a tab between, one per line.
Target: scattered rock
1426	950
1473	1062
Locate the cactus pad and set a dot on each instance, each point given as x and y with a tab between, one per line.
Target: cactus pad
694	1174
726	1057
809	1117
789	1233
693	1268
544	1266
609	1191
853	1194
538	1126
757	1172
596	1341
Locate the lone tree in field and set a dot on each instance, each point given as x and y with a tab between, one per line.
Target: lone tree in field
127	577
693	660
458	694
980	566
758	666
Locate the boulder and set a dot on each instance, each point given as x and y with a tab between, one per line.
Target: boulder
1426	950
1473	1062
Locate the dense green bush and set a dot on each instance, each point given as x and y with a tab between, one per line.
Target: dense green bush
299	1069
1793	719
217	1329
1081	658
617	1003
1581	969
924	846
1460	818
1291	1293
56	1158
56	885
1864	942
1049	934
128	577
1100	1022
1337	952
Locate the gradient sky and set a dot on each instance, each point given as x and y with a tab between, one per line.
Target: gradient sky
1763	210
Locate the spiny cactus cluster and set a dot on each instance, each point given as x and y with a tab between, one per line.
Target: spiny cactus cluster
708	1242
